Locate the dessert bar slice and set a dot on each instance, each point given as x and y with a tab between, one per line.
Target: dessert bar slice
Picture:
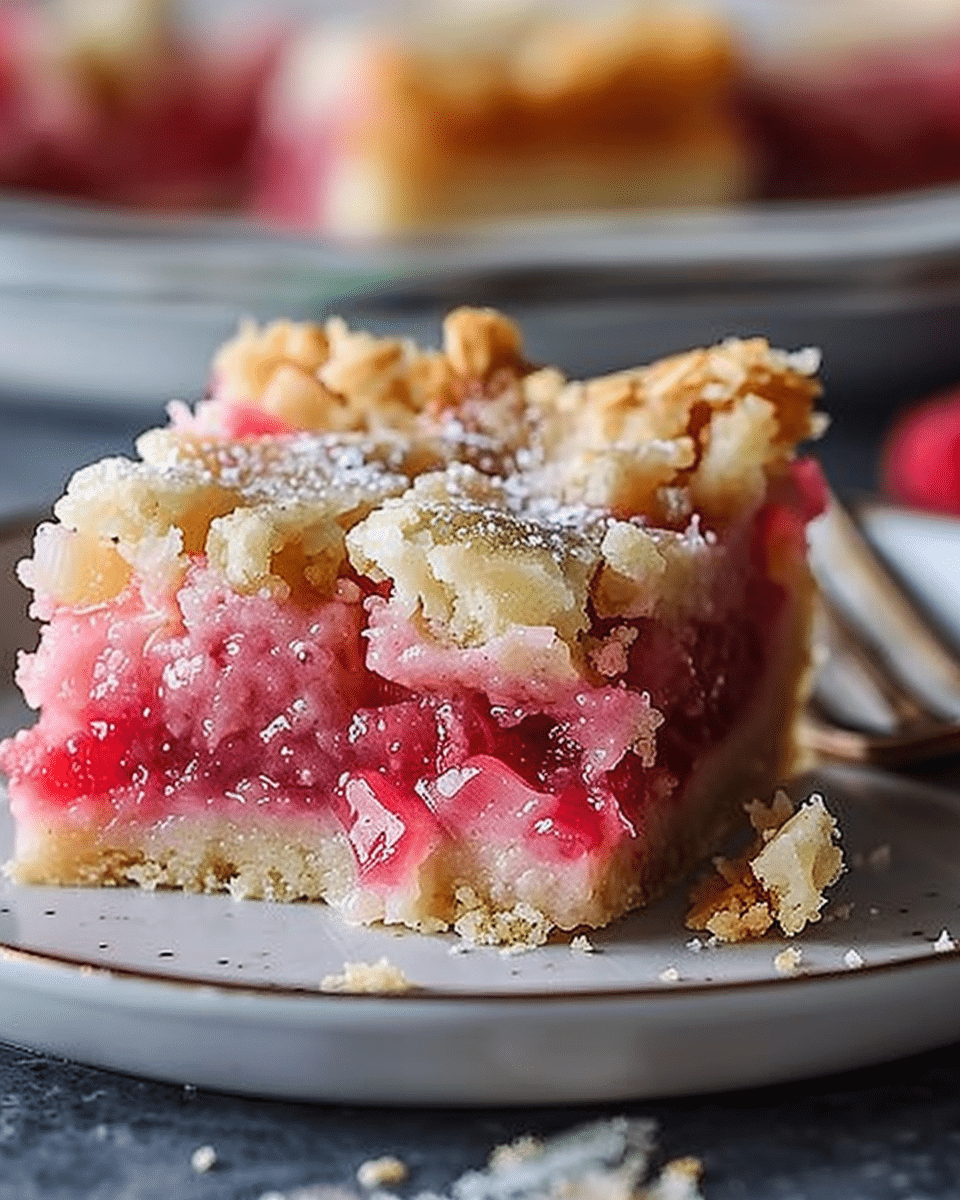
856	97
113	101
439	637
478	111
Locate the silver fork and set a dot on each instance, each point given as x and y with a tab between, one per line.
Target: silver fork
886	685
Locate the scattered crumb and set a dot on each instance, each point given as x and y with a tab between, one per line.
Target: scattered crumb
873	911
695	944
944	943
670	975
781	879
459	948
679	1180
378	1172
605	1160
381	976
608	1160
788	961
879	859
581	944
513	1154
203	1159
515	948
852	960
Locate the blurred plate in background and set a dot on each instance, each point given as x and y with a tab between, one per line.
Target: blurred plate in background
123	312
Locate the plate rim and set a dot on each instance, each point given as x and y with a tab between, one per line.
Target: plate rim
11	953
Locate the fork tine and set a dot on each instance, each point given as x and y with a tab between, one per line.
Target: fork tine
879	615
851	684
896	750
859	713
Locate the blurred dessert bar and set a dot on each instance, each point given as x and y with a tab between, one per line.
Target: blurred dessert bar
110	100
497	108
429	114
852	97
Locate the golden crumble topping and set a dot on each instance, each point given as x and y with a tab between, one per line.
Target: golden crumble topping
520	69
491	493
472	568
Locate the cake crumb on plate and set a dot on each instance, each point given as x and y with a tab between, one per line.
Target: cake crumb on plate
788	961
852	959
203	1159
360	977
781	879
377	1172
944	943
581	944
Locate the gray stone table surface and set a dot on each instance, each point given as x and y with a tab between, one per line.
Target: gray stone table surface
72	1133
889	1133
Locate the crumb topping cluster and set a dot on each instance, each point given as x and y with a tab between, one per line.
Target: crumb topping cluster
781	880
489	492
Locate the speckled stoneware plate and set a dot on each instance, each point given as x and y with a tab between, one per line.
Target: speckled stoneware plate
226	995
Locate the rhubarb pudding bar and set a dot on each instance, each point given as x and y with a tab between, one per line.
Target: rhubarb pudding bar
484	109
114	101
437	636
854	97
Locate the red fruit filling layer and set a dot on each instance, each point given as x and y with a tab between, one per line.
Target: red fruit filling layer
885	122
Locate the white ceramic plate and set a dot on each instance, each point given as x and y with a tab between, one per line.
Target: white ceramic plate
226	995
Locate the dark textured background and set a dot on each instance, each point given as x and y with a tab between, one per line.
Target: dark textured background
68	1131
